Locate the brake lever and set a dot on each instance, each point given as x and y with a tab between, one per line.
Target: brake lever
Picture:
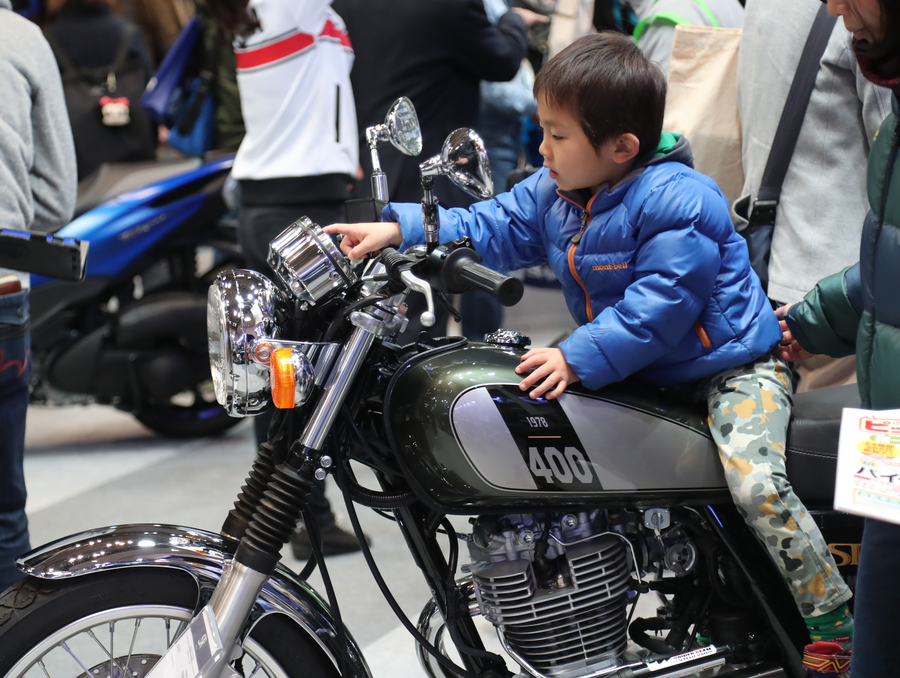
419	285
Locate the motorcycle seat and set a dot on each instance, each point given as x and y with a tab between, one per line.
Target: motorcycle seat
112	179
812	443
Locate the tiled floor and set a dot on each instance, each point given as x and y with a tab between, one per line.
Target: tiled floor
93	466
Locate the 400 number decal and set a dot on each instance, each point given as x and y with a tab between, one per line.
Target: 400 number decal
561	467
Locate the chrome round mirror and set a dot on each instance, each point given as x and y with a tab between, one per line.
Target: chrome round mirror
463	159
400	127
403	127
467	164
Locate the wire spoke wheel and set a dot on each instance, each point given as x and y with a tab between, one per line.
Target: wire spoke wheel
124	642
118	624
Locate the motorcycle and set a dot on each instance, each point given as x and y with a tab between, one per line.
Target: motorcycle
132	333
578	507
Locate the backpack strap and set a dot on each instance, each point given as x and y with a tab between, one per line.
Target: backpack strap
65	64
671	19
124	47
766	204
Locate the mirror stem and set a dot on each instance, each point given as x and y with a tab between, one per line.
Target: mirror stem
379	178
430	221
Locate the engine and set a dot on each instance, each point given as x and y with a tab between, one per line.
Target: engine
554	587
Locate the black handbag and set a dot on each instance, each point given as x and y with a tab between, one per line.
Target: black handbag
108	122
761	217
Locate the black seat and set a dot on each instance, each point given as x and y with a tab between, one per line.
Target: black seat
813	441
112	179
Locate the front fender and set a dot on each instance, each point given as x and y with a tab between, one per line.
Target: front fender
203	555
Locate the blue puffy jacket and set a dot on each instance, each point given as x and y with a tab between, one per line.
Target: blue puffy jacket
653	272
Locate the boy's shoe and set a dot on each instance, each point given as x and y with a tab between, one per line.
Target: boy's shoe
335	540
825	659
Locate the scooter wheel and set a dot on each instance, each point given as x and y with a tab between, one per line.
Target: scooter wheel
173	421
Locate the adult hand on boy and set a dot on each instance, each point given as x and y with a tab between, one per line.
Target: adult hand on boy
789	349
360	239
551	367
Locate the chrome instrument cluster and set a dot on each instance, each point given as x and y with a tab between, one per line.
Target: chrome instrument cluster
309	264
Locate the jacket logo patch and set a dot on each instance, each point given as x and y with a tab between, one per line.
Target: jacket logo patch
611	267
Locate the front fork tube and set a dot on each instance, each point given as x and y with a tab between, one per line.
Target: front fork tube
430	559
275	510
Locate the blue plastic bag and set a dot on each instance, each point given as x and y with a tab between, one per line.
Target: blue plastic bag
198	138
167	82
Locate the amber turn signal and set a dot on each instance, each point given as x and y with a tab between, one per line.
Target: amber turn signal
283	376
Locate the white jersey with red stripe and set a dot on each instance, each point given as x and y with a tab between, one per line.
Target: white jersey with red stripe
294	79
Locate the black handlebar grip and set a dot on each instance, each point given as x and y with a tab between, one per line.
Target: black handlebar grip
508	291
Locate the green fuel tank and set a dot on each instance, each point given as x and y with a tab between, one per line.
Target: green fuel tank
472	442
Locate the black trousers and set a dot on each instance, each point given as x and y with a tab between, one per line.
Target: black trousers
257	227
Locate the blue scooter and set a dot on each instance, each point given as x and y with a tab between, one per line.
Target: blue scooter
132	333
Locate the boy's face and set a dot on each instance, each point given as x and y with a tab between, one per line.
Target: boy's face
568	153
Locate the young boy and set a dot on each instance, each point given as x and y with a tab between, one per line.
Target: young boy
658	281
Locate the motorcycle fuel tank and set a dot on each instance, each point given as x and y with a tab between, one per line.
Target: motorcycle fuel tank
472	441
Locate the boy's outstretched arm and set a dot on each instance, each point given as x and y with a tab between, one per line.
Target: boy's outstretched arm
360	239
551	367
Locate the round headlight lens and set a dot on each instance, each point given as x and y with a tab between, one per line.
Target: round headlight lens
240	313
218	342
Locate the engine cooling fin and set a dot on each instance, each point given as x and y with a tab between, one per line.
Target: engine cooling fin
578	622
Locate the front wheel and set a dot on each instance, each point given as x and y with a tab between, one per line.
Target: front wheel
118	624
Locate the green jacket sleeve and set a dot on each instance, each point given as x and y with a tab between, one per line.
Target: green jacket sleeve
827	320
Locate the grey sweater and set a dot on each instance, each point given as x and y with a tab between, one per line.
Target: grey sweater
823	200
37	154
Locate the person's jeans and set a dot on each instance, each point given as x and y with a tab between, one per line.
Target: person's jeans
876	652
15	374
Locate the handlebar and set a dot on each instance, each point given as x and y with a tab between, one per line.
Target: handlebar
453	268
461	269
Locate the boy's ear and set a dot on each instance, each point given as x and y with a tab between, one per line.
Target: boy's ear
627	147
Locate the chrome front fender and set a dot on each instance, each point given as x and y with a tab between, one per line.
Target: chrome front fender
203	555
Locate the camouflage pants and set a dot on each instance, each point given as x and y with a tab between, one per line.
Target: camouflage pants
749	410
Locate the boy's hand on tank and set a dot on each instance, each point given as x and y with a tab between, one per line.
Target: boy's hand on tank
550	365
360	239
789	348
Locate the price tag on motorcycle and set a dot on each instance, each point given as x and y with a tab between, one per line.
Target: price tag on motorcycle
193	652
868	472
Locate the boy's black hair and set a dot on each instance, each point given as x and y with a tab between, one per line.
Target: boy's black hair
609	85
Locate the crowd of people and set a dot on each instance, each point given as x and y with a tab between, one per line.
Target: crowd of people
297	83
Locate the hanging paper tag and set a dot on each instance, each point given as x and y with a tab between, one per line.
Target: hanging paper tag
193	652
116	111
868	471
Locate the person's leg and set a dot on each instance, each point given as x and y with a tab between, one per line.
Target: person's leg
258	226
749	410
876	652
15	373
481	314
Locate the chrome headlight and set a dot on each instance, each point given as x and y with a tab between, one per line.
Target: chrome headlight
240	312
243	337
308	263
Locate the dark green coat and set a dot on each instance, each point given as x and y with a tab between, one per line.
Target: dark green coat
858	309
229	120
